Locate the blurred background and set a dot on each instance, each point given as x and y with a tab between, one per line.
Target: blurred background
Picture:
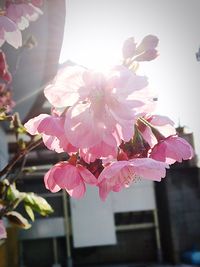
149	223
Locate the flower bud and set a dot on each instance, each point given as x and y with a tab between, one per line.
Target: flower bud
147	55
129	48
149	42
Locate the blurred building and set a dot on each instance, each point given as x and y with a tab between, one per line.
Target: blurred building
149	222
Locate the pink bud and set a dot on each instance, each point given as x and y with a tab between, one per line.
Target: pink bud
129	48
149	42
147	55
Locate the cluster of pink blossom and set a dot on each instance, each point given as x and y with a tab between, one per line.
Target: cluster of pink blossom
105	123
15	17
6	102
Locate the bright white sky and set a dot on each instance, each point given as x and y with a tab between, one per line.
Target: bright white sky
95	31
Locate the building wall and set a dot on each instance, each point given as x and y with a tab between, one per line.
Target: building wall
178	200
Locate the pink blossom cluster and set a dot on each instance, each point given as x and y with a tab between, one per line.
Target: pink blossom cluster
6	102
15	17
106	125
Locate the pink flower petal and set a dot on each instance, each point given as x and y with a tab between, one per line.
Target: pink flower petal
67	176
49	181
33	124
52	143
121	174
104	189
87	176
51	125
112	170
78	192
81	128
149	169
172	149
64	91
11	33
98	151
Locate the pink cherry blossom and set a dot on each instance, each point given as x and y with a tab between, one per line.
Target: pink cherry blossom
3	233
101	110
162	124
172	149
22	14
121	174
104	108
72	178
52	130
9	32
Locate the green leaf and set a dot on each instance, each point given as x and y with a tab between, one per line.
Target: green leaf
29	211
14	195
38	204
17	219
29	199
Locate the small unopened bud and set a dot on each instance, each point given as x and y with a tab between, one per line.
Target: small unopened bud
129	47
149	42
147	55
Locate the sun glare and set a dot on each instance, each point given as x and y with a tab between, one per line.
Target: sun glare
92	52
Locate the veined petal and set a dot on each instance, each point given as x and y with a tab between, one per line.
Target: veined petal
80	127
64	91
112	170
49	181
100	150
51	125
172	149
87	176
67	176
149	169
78	192
127	82
33	124
52	143
104	189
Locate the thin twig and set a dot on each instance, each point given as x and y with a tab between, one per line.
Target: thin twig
7	169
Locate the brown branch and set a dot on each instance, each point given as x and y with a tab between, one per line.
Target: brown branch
7	169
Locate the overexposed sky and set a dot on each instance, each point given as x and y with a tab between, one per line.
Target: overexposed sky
95	31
